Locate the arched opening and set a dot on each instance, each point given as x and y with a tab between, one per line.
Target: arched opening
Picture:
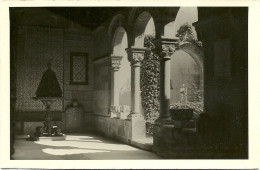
149	83
144	26
184	72
119	45
186	62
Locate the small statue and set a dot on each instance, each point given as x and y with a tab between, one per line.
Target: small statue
183	92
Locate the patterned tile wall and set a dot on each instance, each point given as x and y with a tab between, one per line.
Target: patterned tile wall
79	69
36	45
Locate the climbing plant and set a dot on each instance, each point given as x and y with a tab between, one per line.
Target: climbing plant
185	33
197	104
150	78
195	95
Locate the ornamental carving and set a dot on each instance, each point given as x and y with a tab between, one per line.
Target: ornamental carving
135	55
168	49
115	65
115	62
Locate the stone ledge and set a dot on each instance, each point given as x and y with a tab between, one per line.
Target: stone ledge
145	144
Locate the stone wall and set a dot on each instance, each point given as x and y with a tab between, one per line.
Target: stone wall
101	89
226	76
101	83
115	128
172	142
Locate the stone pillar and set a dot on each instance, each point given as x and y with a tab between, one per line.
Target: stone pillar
135	56
167	49
115	63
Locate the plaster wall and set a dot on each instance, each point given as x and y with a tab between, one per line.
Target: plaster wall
119	129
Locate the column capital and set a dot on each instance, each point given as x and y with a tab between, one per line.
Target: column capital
115	62
166	47
135	55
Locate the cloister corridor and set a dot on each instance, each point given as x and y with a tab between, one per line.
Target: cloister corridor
153	82
78	147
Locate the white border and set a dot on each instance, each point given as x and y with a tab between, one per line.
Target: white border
254	92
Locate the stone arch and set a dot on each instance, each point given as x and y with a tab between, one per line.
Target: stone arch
196	53
186	68
141	17
182	30
119	44
117	39
145	19
117	21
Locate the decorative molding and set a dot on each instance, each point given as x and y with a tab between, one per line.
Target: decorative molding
135	55
169	46
115	62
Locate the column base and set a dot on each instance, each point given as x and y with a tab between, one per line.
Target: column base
138	130
163	121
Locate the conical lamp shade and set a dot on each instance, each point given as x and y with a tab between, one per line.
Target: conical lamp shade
49	85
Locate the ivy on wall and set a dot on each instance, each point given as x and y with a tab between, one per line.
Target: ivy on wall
185	34
150	81
195	96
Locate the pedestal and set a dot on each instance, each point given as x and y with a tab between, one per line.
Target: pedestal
48	132
138	130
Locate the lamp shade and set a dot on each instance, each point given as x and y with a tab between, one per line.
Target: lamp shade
49	85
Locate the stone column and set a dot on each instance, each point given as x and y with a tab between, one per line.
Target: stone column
115	63
167	49
135	56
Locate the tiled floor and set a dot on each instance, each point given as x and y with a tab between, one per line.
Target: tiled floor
78	147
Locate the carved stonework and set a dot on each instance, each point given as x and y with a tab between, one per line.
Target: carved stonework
135	55
134	115
115	62
168	47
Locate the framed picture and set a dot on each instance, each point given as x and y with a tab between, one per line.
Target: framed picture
78	68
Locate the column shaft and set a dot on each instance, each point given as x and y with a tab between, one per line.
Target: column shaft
136	97
114	87
165	93
115	62
135	56
166	49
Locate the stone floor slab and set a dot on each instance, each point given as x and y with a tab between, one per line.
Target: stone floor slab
78	147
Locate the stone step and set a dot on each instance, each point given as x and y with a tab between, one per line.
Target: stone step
144	143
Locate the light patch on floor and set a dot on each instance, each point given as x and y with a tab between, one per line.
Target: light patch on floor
78	147
70	151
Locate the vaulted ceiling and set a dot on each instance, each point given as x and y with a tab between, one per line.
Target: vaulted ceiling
90	17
